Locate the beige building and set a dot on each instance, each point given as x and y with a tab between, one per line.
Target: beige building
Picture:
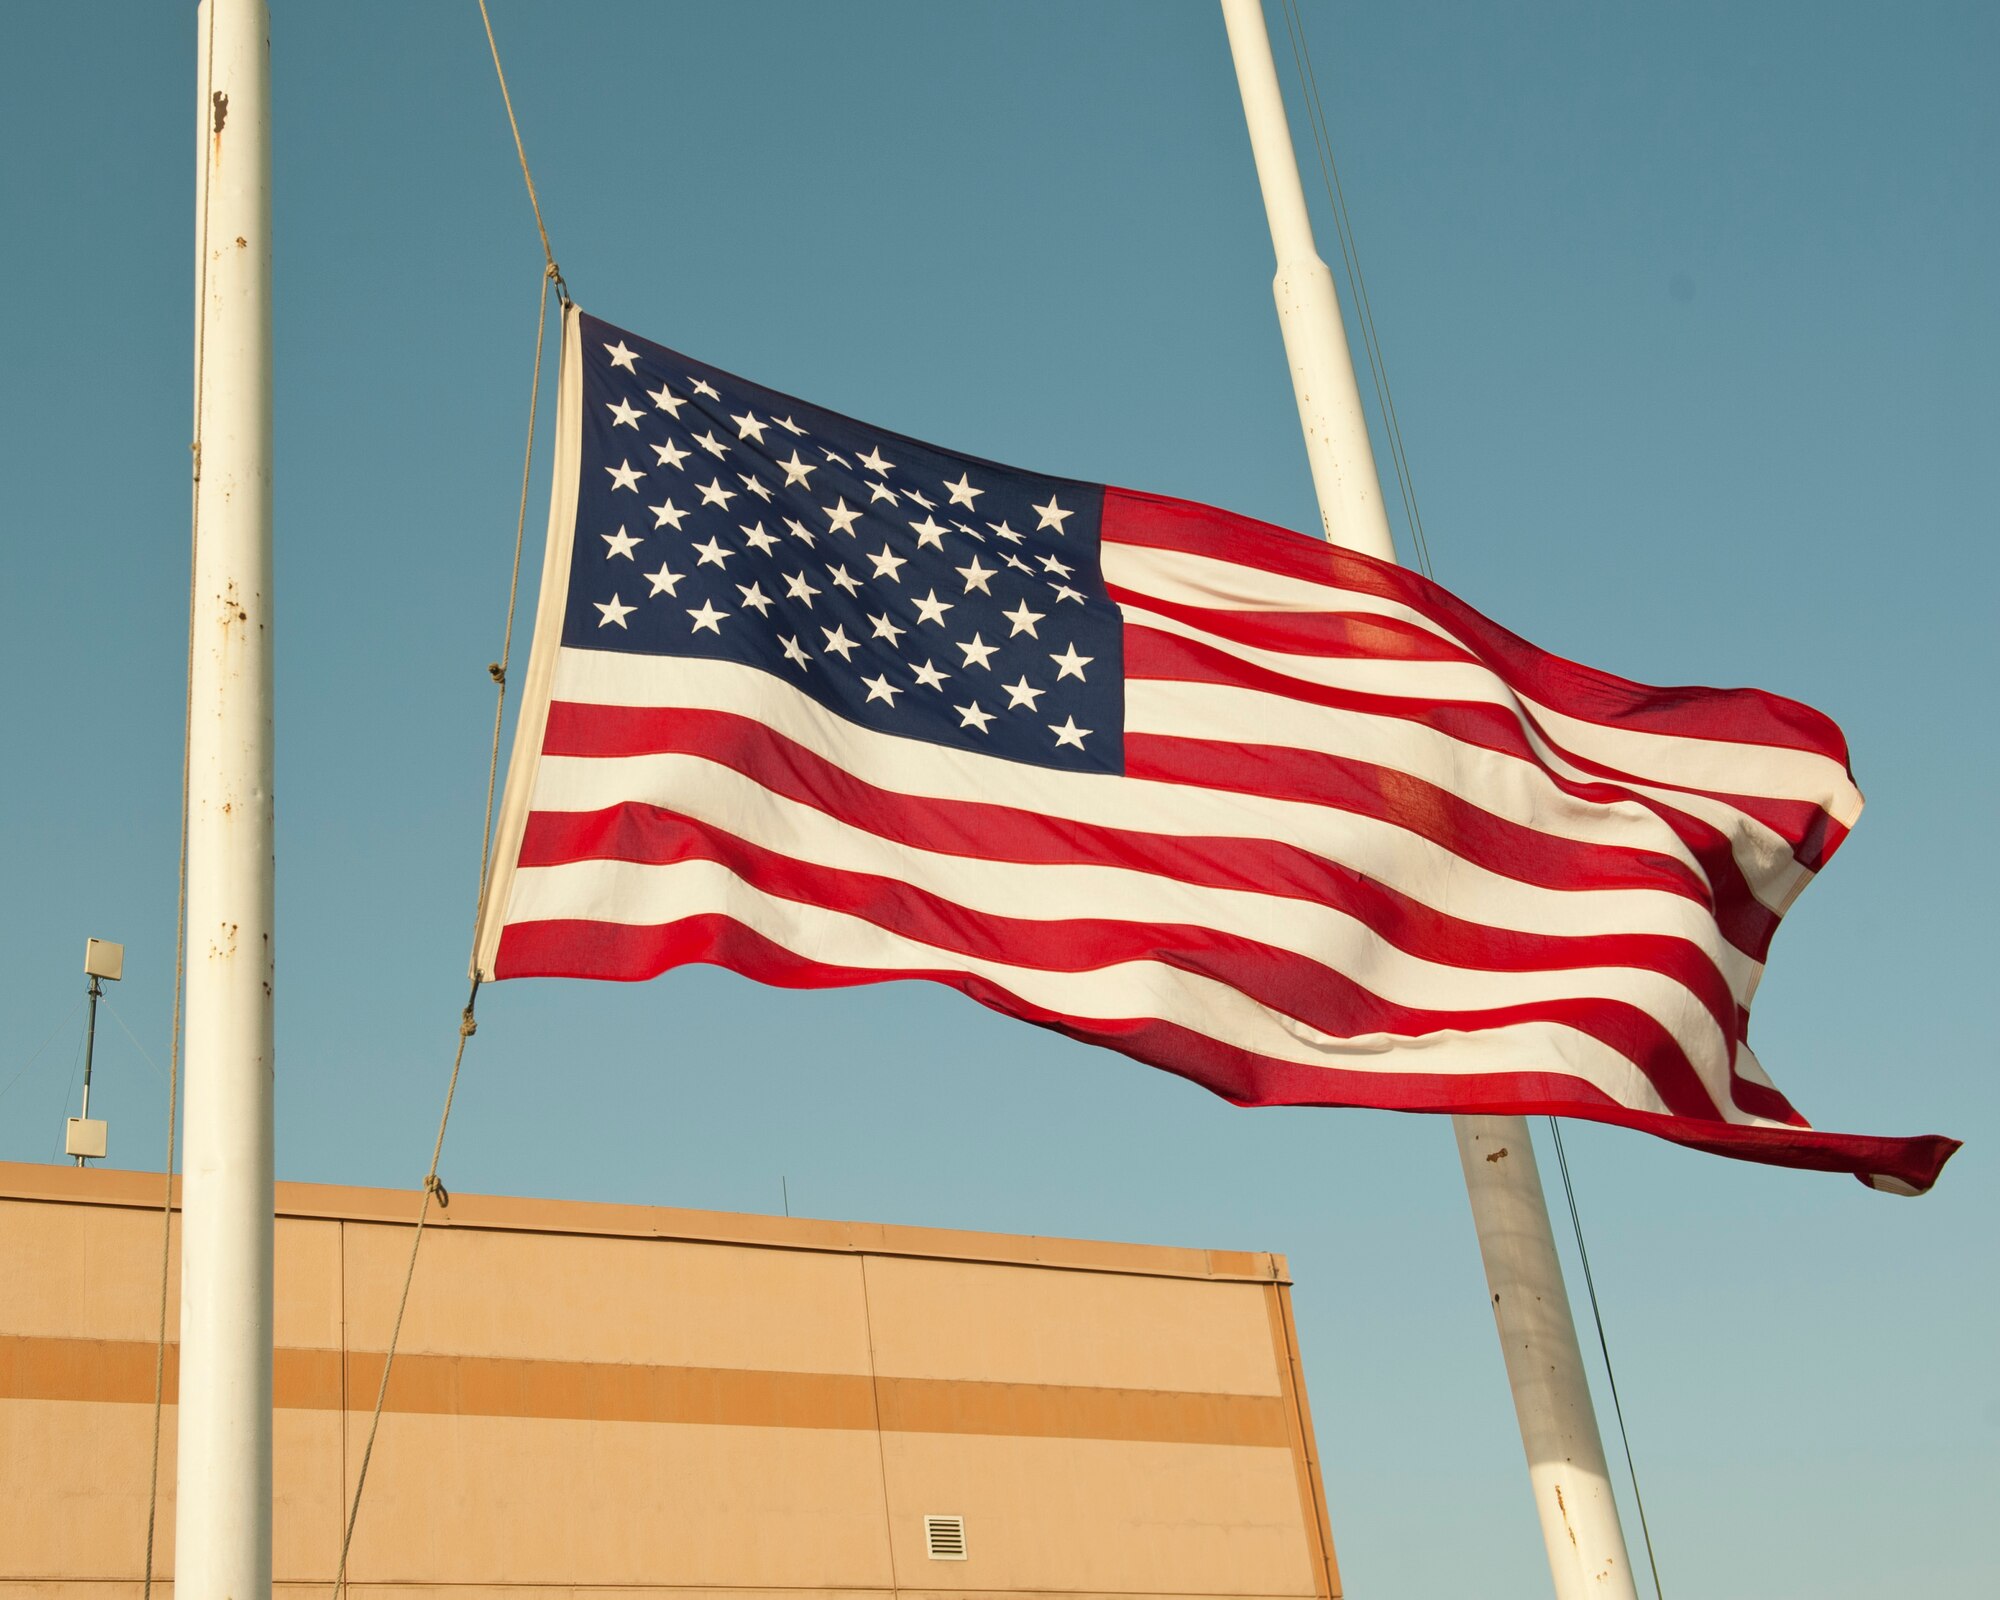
601	1397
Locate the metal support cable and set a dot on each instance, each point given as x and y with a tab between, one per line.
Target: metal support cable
1399	459
1378	367
1604	1345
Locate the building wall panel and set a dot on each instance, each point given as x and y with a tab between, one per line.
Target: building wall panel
1025	1324
609	1402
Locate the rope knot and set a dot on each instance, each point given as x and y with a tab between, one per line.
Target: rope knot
433	1184
468	1024
497	673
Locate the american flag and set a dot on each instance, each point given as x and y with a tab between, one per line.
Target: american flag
826	705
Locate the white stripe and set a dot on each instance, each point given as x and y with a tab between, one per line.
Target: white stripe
1508	786
730	804
1412	865
1772	771
603	891
1188	579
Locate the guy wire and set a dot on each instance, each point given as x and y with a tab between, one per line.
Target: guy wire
1399	459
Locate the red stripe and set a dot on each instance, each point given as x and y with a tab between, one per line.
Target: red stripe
1745	716
968	827
1160	656
1508	848
1168	657
1279	979
600	950
1325	634
1001	833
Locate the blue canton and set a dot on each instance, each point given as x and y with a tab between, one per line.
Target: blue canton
905	588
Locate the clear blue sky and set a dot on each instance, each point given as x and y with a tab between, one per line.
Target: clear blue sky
1691	320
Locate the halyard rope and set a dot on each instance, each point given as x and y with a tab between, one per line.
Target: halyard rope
521	150
180	905
467	1022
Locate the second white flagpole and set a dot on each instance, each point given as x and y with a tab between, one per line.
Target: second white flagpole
222	1541
1566	1466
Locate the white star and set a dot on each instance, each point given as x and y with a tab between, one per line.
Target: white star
791	427
625	476
699	387
888	564
930	677
834	455
755	486
932	609
844	580
975	576
977	652
972	717
1024	620
758	539
624	414
1052	515
885	628
840	518
838	642
616	611
621	542
793	650
962	492
755	597
1017	563
797	471
1069	733
666	400
714	494
1020	693
713	554
969	531
1070	665
881	491
798	530
1050	564
711	444
923	500
930	533
797	587
1065	592
748	427
1003	531
879	688
664	580
707	617
622	357
669	512
874	463
670	454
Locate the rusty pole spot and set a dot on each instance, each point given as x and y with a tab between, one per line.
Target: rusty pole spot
1499	1154
220	102
1564	1509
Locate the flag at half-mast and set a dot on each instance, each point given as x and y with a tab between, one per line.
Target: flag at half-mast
826	705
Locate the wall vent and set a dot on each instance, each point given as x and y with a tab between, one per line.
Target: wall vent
944	1538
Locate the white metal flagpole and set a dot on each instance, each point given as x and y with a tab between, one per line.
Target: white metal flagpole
222	1547
1586	1545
